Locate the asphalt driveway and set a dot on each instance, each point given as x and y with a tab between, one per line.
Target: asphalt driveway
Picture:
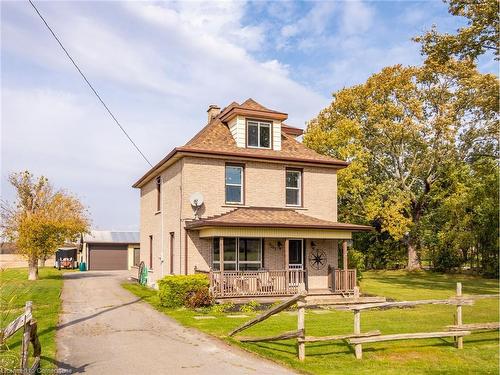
104	329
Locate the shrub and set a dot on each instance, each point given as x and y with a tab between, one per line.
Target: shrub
222	307
176	291
199	298
446	260
249	307
356	260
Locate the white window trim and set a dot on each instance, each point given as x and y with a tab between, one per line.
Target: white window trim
242	177
259	125
237	260
298	188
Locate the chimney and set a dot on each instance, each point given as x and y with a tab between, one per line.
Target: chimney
213	111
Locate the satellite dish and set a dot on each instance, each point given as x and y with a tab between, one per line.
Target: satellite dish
196	199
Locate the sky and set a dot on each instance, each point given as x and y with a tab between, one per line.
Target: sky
159	65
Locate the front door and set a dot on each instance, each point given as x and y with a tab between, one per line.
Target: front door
296	254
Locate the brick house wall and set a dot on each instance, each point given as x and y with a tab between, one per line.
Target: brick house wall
264	187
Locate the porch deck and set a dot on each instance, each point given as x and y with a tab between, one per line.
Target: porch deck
273	284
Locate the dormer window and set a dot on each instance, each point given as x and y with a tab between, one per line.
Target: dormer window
258	134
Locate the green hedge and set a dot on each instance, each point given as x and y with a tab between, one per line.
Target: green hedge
176	291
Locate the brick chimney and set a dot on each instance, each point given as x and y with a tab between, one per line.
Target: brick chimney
213	111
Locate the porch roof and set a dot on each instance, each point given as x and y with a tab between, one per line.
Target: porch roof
267	218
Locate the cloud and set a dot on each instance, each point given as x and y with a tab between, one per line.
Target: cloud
66	138
308	26
357	17
158	67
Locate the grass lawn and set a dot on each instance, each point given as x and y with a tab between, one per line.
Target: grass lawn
480	354
45	294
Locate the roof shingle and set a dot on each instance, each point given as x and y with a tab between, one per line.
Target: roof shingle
216	139
272	217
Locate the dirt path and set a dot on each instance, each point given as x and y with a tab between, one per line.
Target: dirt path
104	329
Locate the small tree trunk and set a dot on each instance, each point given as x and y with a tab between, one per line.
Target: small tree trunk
33	269
413	260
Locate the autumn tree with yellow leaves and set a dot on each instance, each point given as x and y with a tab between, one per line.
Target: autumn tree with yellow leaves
41	219
423	147
399	130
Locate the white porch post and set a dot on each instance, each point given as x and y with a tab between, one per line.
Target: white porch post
287	252
344	263
221	264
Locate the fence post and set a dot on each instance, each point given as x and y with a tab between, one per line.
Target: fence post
301	322
26	336
358	349
460	340
356	292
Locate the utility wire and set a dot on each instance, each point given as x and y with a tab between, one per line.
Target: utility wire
89	84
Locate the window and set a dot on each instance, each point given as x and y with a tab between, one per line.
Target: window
158	193
172	234
229	254
258	134
295	254
249	254
239	253
137	256
293	187
150	252
234	183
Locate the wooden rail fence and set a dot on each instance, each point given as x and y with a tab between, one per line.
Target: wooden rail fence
457	331
30	335
357	338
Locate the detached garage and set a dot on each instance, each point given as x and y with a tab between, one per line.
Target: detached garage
109	250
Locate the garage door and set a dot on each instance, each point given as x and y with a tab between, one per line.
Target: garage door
108	257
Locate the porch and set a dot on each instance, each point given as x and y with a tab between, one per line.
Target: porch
228	284
279	283
269	252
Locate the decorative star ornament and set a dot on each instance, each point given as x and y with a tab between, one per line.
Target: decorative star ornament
317	259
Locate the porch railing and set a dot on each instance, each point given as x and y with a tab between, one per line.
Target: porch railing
256	283
337	280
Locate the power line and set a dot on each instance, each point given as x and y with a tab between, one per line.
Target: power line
89	84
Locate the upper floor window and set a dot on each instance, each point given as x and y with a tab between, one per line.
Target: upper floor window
258	134
234	183
158	193
293	187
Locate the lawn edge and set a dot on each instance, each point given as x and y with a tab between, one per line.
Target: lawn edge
226	340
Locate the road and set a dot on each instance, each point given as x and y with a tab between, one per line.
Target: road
104	329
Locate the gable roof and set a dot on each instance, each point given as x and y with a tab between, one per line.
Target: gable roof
216	139
250	107
272	217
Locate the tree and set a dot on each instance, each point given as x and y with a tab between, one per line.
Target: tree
463	224
41	218
479	36
398	130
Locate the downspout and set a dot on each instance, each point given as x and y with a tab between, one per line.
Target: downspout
186	252
162	253
181	202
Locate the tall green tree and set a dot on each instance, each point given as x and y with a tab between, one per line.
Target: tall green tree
481	35
398	130
41	219
462	227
